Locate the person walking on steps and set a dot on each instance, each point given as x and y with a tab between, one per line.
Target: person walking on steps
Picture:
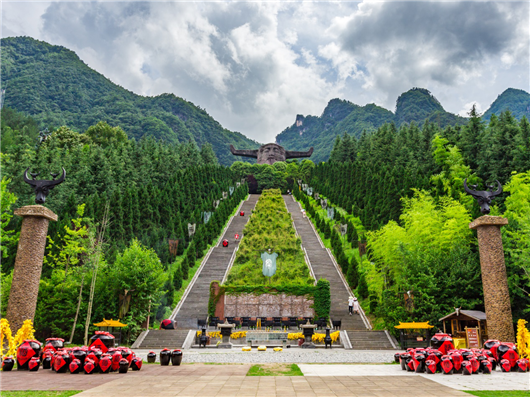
350	305
356	308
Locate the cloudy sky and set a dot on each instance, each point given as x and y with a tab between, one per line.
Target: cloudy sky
255	65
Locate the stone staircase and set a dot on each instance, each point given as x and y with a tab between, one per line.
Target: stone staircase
195	304
370	340
323	267
161	338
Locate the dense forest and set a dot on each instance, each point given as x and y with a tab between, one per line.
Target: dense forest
416	105
402	189
51	84
119	207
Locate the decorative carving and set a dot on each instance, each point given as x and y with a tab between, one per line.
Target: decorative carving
270	153
42	187
484	197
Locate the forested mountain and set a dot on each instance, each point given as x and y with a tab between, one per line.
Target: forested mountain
51	84
516	101
417	105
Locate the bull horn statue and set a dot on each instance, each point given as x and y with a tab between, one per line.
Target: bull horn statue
483	197
42	187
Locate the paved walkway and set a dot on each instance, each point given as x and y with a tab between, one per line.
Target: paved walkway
323	267
195	304
272	386
45	379
230	380
496	381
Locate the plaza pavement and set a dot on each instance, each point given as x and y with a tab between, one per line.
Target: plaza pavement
216	380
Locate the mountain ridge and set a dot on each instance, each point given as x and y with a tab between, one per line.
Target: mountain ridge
416	105
55	87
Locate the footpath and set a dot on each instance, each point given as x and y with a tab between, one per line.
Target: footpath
231	380
322	263
194	303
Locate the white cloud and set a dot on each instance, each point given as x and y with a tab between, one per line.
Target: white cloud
255	65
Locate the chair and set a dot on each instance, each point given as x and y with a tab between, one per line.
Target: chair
232	320
263	321
322	322
293	322
251	324
277	322
201	323
213	322
244	321
336	323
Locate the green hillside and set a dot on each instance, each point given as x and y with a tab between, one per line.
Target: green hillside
516	101
56	88
416	105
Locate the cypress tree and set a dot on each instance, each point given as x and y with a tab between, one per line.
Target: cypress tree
184	266
177	279
362	288
327	229
353	274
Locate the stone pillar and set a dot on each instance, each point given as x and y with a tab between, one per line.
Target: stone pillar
494	280
28	264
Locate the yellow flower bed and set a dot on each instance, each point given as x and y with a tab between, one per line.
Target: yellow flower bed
239	334
216	334
523	339
25	332
316	337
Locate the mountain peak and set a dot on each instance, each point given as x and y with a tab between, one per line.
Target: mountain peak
513	99
416	104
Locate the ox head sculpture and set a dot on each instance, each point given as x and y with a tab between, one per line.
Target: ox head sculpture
484	197
42	187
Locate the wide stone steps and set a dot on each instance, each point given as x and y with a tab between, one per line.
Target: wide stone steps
195	305
369	340
323	267
164	338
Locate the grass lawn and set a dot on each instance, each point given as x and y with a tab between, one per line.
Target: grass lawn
40	393
275	370
499	393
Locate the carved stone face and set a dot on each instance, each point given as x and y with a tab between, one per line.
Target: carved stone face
270	153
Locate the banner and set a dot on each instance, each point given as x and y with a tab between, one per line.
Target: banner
225	195
344	229
231	190
331	212
206	216
191	229
362	248
173	246
269	264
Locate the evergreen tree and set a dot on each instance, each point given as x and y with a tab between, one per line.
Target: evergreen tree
353	274
362	288
177	279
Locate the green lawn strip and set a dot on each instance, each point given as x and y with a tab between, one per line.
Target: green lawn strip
500	393
40	393
191	272
270	227
274	370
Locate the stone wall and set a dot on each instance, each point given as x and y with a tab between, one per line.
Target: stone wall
267	305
